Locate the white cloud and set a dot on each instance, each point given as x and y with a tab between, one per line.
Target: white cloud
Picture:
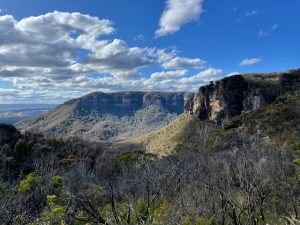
250	61
247	14
164	55
8	95
49	44
204	76
60	55
232	74
267	32
44	45
176	14
165	75
180	63
251	13
139	37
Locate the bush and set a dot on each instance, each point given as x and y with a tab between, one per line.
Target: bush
57	181
297	162
20	147
124	158
29	183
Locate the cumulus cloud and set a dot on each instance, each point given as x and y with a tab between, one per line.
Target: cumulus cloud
164	75
181	62
61	55
204	76
50	44
176	14
47	44
250	61
19	96
264	33
116	57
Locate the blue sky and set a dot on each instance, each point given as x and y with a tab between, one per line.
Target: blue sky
54	50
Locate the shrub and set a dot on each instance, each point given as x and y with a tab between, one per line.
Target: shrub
20	147
57	181
54	213
29	183
127	157
297	161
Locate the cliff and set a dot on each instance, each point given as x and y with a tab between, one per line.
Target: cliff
239	94
104	116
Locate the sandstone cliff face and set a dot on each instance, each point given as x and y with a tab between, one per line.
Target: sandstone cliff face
106	116
239	94
126	103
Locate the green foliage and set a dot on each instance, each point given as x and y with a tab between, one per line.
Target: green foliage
196	221
297	152
297	161
124	158
18	220
20	147
29	183
57	181
278	120
159	215
54	214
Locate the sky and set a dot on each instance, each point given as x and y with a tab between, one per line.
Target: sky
55	50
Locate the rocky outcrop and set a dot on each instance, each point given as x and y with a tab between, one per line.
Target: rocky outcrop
239	94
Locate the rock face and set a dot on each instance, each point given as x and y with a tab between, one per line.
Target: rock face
8	134
239	94
104	116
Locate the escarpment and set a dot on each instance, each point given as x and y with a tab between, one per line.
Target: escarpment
106	116
240	94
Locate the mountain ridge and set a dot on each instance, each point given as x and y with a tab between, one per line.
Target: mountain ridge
105	116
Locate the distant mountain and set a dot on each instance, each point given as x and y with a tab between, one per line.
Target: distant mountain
105	116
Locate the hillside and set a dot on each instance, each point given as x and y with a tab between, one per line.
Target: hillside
106	116
183	133
231	111
280	121
276	124
239	174
242	171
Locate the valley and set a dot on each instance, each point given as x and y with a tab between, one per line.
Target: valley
231	150
13	113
